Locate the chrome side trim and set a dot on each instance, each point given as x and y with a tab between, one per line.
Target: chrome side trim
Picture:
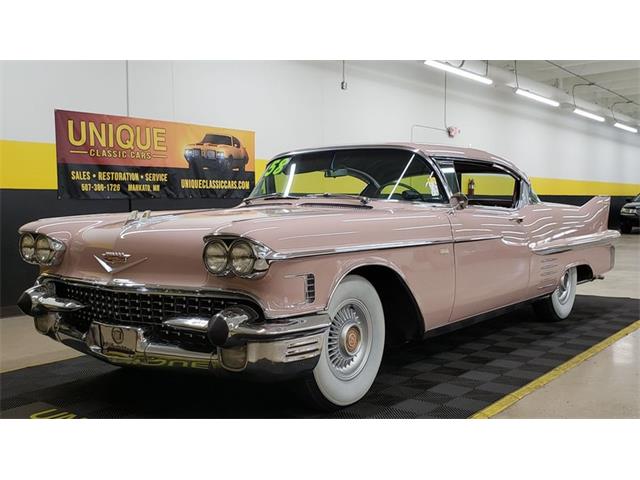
582	241
478	239
356	248
378	246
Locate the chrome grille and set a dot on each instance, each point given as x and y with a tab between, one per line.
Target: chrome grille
138	308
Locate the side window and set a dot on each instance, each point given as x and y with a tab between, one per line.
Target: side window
487	185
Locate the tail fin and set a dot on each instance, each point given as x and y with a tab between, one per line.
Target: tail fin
598	207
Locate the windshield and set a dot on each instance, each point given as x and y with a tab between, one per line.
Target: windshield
636	199
388	174
217	139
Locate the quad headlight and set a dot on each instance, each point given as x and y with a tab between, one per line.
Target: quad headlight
41	249
241	257
27	247
216	257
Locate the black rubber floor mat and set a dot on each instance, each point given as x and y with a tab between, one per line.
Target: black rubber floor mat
451	376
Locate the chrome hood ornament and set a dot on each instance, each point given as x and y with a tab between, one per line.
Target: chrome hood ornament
114	262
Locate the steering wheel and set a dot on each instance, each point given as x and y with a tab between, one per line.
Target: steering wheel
408	187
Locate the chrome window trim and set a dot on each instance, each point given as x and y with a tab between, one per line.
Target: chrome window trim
517	176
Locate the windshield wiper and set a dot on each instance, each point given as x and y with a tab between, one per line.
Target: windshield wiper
270	196
364	200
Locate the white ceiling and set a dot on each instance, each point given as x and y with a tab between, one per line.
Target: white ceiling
620	76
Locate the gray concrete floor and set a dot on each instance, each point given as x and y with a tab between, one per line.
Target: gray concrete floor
605	386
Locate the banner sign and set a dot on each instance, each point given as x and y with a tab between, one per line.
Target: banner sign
108	156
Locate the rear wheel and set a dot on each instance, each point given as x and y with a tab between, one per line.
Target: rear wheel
558	306
353	347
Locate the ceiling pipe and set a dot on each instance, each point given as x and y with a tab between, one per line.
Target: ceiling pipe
505	80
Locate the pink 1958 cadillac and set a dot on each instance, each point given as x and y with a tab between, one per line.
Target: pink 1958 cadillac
337	252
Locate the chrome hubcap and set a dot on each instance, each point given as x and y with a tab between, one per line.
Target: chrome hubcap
564	289
348	341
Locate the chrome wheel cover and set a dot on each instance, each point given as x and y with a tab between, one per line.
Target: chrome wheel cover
349	339
565	289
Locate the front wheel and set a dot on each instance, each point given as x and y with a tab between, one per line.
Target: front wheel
353	347
558	306
625	228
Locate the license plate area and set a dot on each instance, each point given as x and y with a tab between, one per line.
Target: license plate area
118	340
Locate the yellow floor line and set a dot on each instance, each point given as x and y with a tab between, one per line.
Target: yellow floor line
510	399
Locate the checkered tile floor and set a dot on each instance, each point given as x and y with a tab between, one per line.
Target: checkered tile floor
451	376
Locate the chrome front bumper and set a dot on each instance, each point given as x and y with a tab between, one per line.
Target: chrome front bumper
239	343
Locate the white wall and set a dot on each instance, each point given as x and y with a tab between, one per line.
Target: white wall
300	104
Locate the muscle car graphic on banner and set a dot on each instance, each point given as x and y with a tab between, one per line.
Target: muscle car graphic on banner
108	156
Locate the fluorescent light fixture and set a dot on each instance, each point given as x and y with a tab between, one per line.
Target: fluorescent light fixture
592	116
625	127
459	71
537	98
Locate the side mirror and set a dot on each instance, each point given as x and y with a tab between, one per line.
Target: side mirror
628	200
459	201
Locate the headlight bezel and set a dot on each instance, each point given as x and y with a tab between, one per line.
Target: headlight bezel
55	247
258	252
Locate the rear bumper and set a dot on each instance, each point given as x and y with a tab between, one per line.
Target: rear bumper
240	345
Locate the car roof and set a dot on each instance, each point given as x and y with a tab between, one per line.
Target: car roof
427	149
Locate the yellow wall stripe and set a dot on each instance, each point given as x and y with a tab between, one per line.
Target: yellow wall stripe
28	165
510	399
557	186
31	165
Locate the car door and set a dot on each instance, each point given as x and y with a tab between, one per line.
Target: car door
492	259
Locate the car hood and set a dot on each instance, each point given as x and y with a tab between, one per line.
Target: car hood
631	205
171	242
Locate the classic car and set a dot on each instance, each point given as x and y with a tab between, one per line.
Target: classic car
217	151
336	253
630	214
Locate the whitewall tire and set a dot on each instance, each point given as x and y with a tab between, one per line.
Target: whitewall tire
558	306
353	346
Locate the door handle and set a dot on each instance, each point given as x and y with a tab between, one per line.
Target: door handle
517	219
